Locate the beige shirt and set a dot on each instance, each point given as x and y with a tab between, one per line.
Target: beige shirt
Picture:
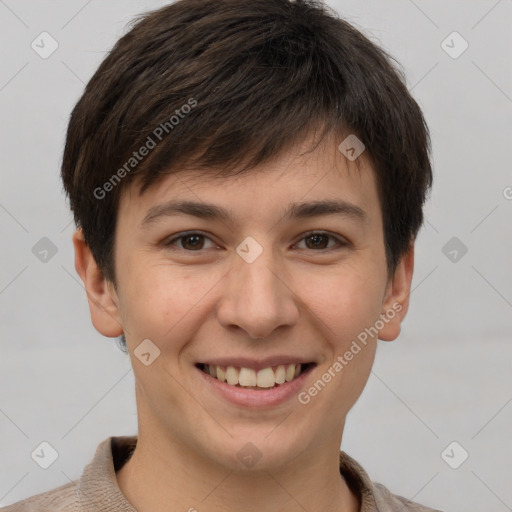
97	489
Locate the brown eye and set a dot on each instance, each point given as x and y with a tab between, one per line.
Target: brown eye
317	241
193	241
320	241
190	242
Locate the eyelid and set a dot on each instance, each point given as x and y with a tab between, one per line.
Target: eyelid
169	242
340	240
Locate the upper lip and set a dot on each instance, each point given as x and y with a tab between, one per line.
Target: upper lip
256	364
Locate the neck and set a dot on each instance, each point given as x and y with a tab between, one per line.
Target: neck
167	476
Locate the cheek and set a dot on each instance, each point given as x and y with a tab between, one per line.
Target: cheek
347	305
350	305
159	300
346	302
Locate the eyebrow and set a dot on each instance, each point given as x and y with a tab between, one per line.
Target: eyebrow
213	212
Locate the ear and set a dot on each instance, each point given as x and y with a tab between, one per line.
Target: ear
396	299
101	295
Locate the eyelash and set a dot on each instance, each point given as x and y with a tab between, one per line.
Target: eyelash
170	242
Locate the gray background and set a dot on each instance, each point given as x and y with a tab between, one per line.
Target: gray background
447	378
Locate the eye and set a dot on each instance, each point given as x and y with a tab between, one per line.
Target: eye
195	241
191	242
317	240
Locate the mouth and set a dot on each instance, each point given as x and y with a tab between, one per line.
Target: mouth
256	379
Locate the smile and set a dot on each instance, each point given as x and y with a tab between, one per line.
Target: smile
249	378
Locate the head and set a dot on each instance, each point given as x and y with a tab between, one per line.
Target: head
250	107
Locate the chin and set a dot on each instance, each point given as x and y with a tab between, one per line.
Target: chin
265	449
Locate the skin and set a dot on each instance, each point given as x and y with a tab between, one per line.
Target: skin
204	301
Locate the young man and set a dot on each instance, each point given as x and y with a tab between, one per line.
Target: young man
247	179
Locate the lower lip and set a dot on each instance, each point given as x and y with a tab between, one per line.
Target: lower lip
254	397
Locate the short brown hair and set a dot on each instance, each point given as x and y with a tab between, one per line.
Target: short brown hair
223	79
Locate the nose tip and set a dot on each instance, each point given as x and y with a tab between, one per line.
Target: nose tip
256	300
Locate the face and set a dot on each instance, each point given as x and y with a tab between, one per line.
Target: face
265	284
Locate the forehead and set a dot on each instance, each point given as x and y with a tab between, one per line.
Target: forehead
299	175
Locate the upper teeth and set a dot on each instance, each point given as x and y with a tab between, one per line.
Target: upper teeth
247	377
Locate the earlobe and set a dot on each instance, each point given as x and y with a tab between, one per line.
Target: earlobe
103	304
396	300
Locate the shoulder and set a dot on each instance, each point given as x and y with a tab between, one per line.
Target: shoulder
96	489
60	499
386	501
373	495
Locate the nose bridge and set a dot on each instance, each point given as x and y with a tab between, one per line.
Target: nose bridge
256	299
257	281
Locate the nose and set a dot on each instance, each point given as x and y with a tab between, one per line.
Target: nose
257	297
